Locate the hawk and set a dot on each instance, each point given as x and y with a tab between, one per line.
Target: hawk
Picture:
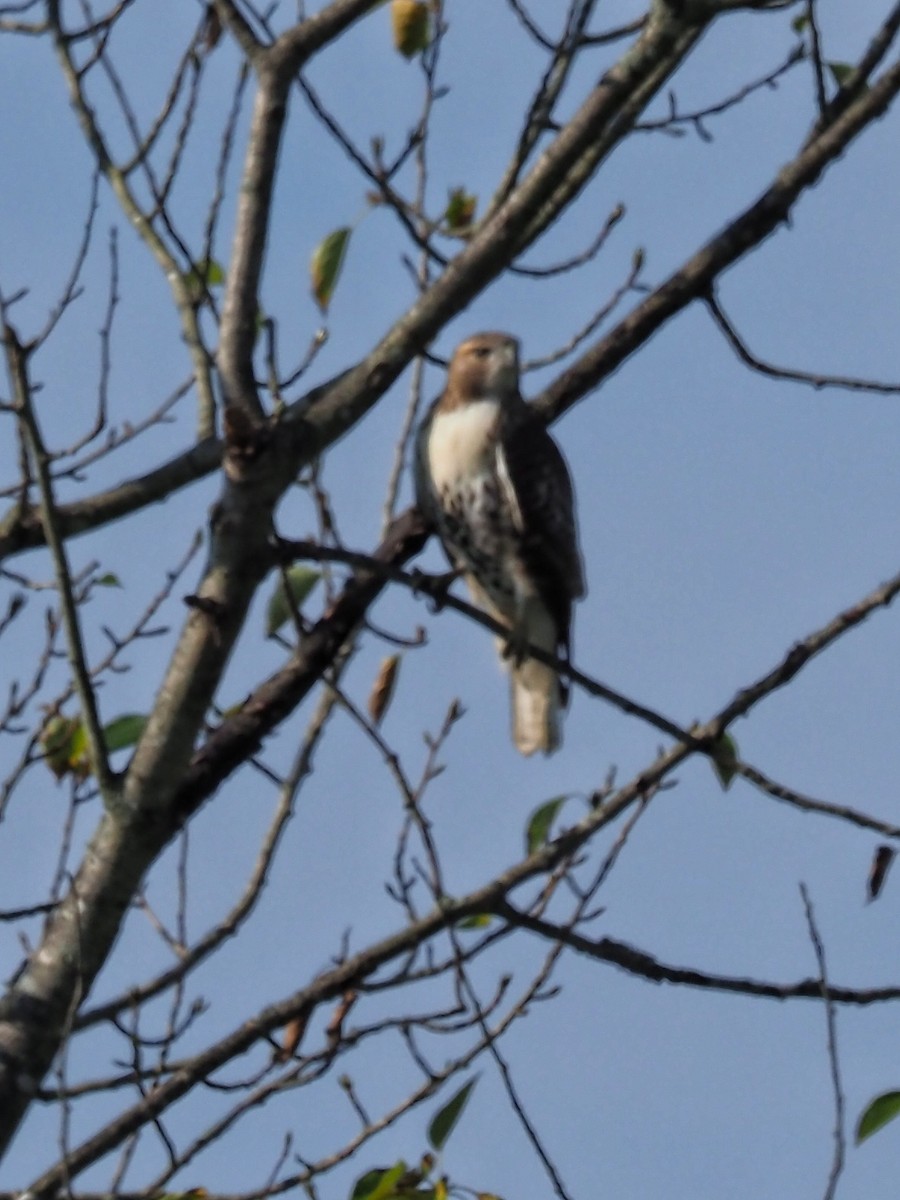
496	487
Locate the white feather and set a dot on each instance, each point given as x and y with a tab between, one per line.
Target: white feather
462	448
461	443
509	492
536	699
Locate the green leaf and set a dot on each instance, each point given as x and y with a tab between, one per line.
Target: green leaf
378	1184
880	1111
460	211
65	742
64	745
325	265
79	754
840	72
108	580
540	822
213	272
364	1186
476	921
204	275
442	1124
724	759
800	23
301	581
124	731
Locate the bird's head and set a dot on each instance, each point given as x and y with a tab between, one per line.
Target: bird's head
485	365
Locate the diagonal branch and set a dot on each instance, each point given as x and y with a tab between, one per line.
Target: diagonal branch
332	983
259	466
326	413
21	528
276	67
695	278
116	177
646	966
817	381
17	359
229	745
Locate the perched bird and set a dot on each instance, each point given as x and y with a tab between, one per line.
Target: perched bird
494	485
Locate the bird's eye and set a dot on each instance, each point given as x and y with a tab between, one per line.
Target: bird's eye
482	351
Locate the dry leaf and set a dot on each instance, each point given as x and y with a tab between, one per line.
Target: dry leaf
293	1035
383	688
884	856
335	1026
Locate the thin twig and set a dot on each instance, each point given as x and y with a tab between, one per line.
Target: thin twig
816	55
578	260
17	357
837	1162
675	119
817	381
842	812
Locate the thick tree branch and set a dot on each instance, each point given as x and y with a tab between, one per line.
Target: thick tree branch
325	414
694	280
555	180
276	67
169	777
240	311
22	529
334	982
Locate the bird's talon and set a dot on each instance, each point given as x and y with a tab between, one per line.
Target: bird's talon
514	649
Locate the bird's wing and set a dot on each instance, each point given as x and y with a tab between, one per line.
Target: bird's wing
426	500
539	489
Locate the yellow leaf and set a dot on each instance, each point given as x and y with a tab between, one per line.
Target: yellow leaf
300	581
411	26
64	742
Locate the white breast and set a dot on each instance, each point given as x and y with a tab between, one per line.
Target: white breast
461	444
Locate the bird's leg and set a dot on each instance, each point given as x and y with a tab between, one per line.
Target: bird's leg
515	647
531	626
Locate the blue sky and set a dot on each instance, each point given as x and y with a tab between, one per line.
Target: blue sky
723	516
